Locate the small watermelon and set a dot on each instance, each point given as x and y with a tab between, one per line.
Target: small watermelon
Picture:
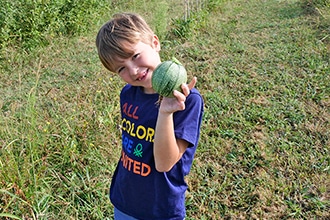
168	76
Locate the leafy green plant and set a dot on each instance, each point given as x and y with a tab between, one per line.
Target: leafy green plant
32	23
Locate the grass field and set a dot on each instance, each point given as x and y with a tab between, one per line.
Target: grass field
263	69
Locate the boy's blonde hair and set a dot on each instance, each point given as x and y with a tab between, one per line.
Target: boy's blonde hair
115	37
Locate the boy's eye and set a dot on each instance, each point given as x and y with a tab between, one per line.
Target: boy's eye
120	69
135	56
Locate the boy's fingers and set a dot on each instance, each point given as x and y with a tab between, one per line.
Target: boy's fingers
179	95
192	83
187	87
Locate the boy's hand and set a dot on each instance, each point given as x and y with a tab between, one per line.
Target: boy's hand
171	105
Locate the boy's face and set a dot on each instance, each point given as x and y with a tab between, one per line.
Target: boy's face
137	70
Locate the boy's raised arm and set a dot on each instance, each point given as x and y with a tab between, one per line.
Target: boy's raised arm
167	149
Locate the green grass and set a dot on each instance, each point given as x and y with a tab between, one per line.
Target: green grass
263	69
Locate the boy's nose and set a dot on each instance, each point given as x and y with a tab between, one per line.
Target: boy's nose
133	70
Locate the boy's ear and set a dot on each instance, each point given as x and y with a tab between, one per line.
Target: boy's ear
156	43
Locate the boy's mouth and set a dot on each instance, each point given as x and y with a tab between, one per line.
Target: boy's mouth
143	75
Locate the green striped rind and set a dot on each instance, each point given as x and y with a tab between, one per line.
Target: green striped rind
168	76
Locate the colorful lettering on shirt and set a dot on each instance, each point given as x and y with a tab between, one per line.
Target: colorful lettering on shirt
127	144
138	150
135	166
139	131
127	110
132	138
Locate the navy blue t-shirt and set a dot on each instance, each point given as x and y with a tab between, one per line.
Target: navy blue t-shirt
137	188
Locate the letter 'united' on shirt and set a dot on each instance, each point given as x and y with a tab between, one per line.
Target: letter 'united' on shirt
137	188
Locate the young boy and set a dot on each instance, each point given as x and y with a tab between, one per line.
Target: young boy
158	141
